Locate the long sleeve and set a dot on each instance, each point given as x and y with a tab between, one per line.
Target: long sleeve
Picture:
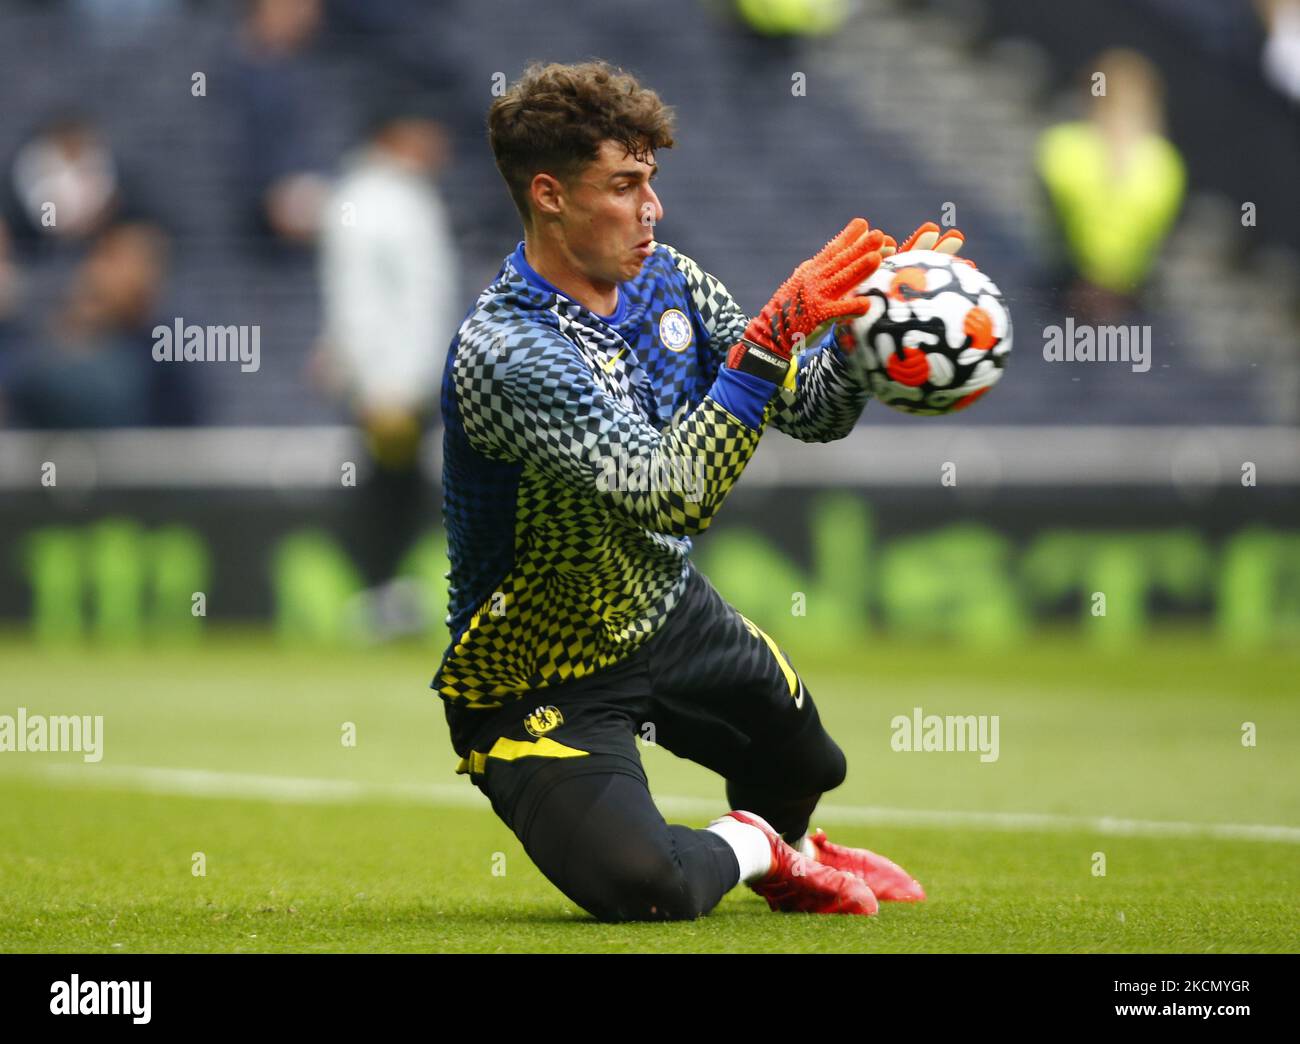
529	394
827	399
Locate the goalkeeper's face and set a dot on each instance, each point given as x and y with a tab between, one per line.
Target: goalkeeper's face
609	219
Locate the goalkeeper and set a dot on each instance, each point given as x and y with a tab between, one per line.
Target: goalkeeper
600	400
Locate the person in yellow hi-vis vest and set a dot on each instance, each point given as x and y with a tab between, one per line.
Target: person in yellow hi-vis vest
1115	185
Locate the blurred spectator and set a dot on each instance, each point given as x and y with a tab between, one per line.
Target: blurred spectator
388	272
1115	185
1281	58
11	291
94	368
11	286
777	18
275	84
65	182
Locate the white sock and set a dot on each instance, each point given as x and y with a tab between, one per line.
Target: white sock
752	848
805	847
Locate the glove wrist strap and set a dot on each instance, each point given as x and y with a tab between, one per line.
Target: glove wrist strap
750	357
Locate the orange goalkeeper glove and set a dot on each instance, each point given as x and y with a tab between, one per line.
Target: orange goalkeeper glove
928	237
818	293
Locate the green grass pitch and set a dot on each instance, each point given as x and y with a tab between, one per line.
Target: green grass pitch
233	749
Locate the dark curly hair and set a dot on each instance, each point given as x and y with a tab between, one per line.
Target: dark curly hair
555	116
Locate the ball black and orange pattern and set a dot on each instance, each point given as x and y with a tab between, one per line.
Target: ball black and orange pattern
936	337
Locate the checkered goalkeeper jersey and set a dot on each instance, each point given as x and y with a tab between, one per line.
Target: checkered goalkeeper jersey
582	451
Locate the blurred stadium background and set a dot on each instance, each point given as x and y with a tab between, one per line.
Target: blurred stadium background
199	535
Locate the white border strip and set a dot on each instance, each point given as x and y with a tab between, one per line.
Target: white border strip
285	459
462	794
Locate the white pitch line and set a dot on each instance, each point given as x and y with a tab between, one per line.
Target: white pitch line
291	789
206	783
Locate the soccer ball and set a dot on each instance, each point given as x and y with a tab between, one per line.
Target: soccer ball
937	335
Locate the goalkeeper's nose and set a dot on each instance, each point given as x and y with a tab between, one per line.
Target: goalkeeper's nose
651	210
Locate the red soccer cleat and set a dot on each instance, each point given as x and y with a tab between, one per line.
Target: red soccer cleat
801	885
889	881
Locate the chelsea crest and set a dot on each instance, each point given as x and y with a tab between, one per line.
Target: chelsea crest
674	330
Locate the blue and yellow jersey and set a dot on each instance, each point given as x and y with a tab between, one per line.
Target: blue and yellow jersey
580	454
